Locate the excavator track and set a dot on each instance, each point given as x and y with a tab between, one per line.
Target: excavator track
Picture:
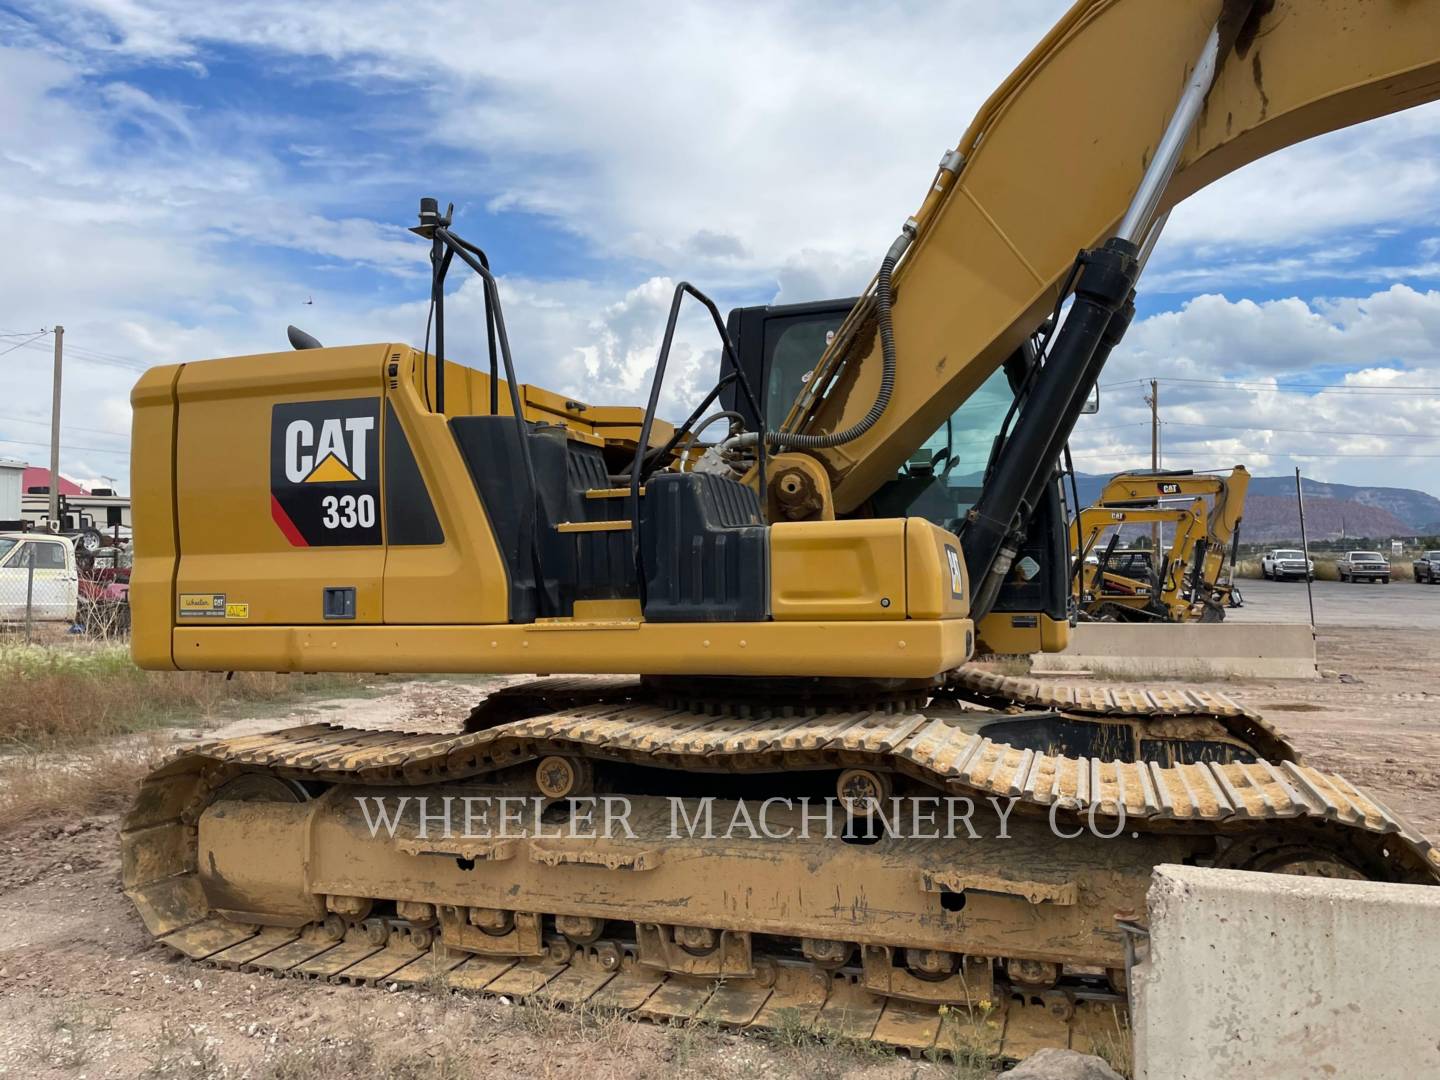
1000	946
1125	701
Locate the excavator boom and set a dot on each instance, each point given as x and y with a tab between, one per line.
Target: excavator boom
1053	160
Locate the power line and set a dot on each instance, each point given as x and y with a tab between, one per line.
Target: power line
67	427
22	344
1080	453
91	449
86	354
1251	386
1387	388
1300	431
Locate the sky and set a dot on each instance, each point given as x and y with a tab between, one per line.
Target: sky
180	181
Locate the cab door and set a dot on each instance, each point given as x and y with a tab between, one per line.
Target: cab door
52	592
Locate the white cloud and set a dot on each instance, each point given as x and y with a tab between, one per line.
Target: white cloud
762	151
1380	424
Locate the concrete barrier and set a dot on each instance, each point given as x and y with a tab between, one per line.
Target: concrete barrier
1187	650
1287	978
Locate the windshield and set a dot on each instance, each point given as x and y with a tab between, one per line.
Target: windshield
6	544
1289	555
943	477
1365	556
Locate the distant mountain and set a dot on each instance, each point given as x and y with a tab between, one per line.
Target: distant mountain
1275	518
1417	511
1331	510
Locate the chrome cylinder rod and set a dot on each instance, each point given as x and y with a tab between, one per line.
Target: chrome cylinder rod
1138	218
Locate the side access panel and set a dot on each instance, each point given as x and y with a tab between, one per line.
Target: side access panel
277	484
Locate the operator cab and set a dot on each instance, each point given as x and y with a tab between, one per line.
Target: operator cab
778	346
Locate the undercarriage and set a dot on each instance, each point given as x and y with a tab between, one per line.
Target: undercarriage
955	874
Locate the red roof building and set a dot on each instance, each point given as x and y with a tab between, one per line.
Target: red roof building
35	477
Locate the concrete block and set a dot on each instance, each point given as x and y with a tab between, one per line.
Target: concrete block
1187	650
1287	978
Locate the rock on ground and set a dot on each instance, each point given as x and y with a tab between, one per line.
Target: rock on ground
1062	1065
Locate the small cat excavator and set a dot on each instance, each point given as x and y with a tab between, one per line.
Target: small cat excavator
1192	580
773	626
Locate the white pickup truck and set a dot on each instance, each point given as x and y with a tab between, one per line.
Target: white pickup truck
1285	563
53	592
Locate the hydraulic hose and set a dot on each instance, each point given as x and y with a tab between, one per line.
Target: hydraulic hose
883	315
709	421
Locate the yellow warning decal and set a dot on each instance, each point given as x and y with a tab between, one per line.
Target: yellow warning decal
330	471
237	611
202	605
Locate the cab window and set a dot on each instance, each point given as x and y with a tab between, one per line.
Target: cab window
796	347
48	556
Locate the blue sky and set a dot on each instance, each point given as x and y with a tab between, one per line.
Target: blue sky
178	180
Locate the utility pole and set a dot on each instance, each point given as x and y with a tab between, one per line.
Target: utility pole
55	434
1154	402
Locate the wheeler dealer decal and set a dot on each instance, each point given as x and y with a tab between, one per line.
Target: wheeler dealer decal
325	471
202	605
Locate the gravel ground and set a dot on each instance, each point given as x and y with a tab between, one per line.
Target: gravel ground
1401	605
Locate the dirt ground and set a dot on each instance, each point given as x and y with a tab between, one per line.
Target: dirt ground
86	994
1375	718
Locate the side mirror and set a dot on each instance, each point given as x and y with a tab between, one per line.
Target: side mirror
1092	403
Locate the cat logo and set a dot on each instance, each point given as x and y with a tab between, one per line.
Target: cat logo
325	471
336	457
1169	489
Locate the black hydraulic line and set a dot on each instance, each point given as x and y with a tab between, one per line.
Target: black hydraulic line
438	300
886	326
489	325
1074	567
695	414
425	355
1026	461
1158	584
1074	483
1197	580
1103	563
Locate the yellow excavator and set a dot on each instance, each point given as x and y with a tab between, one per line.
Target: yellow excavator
775	626
1193	580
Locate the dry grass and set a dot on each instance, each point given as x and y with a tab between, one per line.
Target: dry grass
85	783
1018	666
1195	672
67	695
1116	1046
1326	570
